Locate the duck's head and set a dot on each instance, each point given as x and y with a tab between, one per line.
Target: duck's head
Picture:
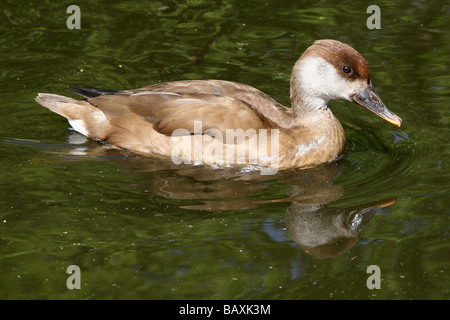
330	69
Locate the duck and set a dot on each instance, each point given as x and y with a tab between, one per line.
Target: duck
225	123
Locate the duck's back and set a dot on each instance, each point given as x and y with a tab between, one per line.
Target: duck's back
176	105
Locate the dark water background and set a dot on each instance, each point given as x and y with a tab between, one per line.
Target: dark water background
143	229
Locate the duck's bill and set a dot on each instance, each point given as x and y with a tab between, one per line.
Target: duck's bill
370	100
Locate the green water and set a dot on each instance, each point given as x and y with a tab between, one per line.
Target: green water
145	229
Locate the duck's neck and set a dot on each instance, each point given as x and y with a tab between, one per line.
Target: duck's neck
318	134
306	106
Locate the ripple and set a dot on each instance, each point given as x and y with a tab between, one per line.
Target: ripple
377	167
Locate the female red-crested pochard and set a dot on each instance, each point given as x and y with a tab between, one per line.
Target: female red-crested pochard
169	119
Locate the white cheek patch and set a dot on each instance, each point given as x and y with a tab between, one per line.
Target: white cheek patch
319	79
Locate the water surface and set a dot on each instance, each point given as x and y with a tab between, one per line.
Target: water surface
145	229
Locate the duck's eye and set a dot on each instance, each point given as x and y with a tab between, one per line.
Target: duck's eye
346	69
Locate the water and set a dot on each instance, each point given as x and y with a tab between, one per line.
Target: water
145	229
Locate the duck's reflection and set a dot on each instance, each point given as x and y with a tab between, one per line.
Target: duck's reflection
325	232
312	221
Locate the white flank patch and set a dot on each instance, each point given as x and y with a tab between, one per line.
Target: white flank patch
305	148
79	126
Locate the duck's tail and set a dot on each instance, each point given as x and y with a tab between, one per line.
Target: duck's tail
82	116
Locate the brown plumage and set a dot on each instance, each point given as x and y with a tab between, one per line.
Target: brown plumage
146	120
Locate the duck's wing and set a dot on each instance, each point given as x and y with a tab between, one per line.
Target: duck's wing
176	105
144	120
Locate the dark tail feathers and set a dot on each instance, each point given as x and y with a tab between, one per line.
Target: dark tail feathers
90	92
